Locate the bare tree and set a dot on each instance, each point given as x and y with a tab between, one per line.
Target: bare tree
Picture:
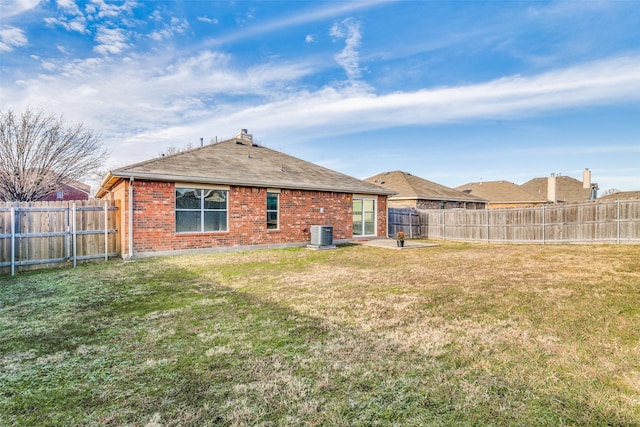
39	153
172	149
610	191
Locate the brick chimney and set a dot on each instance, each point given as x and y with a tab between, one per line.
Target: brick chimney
586	178
552	188
245	136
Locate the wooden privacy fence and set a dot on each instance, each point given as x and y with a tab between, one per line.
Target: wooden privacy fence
43	234
592	222
406	220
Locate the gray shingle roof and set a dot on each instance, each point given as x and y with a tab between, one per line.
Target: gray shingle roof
568	189
413	187
241	162
622	195
500	192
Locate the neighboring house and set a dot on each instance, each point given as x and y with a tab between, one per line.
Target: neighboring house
621	195
502	194
237	195
71	191
419	193
563	189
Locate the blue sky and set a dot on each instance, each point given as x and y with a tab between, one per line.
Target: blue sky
454	92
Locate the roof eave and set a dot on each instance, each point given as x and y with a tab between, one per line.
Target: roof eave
115	175
449	199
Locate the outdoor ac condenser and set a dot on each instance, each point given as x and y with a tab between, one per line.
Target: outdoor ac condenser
321	235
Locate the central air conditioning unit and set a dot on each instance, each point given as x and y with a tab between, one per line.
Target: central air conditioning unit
321	236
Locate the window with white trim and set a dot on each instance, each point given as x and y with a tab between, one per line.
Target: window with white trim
272	211
201	210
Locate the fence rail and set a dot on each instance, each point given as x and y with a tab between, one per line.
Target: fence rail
43	234
593	222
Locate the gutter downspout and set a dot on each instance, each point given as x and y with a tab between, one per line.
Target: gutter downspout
130	218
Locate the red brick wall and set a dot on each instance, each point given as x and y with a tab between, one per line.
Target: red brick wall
68	193
154	218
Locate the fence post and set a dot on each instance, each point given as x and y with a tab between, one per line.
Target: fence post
74	234
13	241
444	225
618	223
488	226
544	228
410	224
106	232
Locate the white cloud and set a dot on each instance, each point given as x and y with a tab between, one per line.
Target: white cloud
11	38
10	8
308	38
349	30
140	102
208	20
328	10
176	26
69	6
334	111
112	10
111	41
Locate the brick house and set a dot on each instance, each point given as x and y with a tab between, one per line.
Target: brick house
419	193
237	195
71	191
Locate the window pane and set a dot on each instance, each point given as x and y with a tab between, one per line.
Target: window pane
215	221
357	217
369	223
272	201
188	198
369	205
215	199
272	220
187	221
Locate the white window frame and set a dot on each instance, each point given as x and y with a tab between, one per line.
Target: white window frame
365	197
202	210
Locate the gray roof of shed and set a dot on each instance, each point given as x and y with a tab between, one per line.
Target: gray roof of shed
240	162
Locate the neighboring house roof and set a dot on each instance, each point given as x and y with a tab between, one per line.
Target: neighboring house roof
413	187
70	191
239	161
78	186
500	192
568	190
621	195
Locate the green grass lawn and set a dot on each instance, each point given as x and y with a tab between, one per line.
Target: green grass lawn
459	334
